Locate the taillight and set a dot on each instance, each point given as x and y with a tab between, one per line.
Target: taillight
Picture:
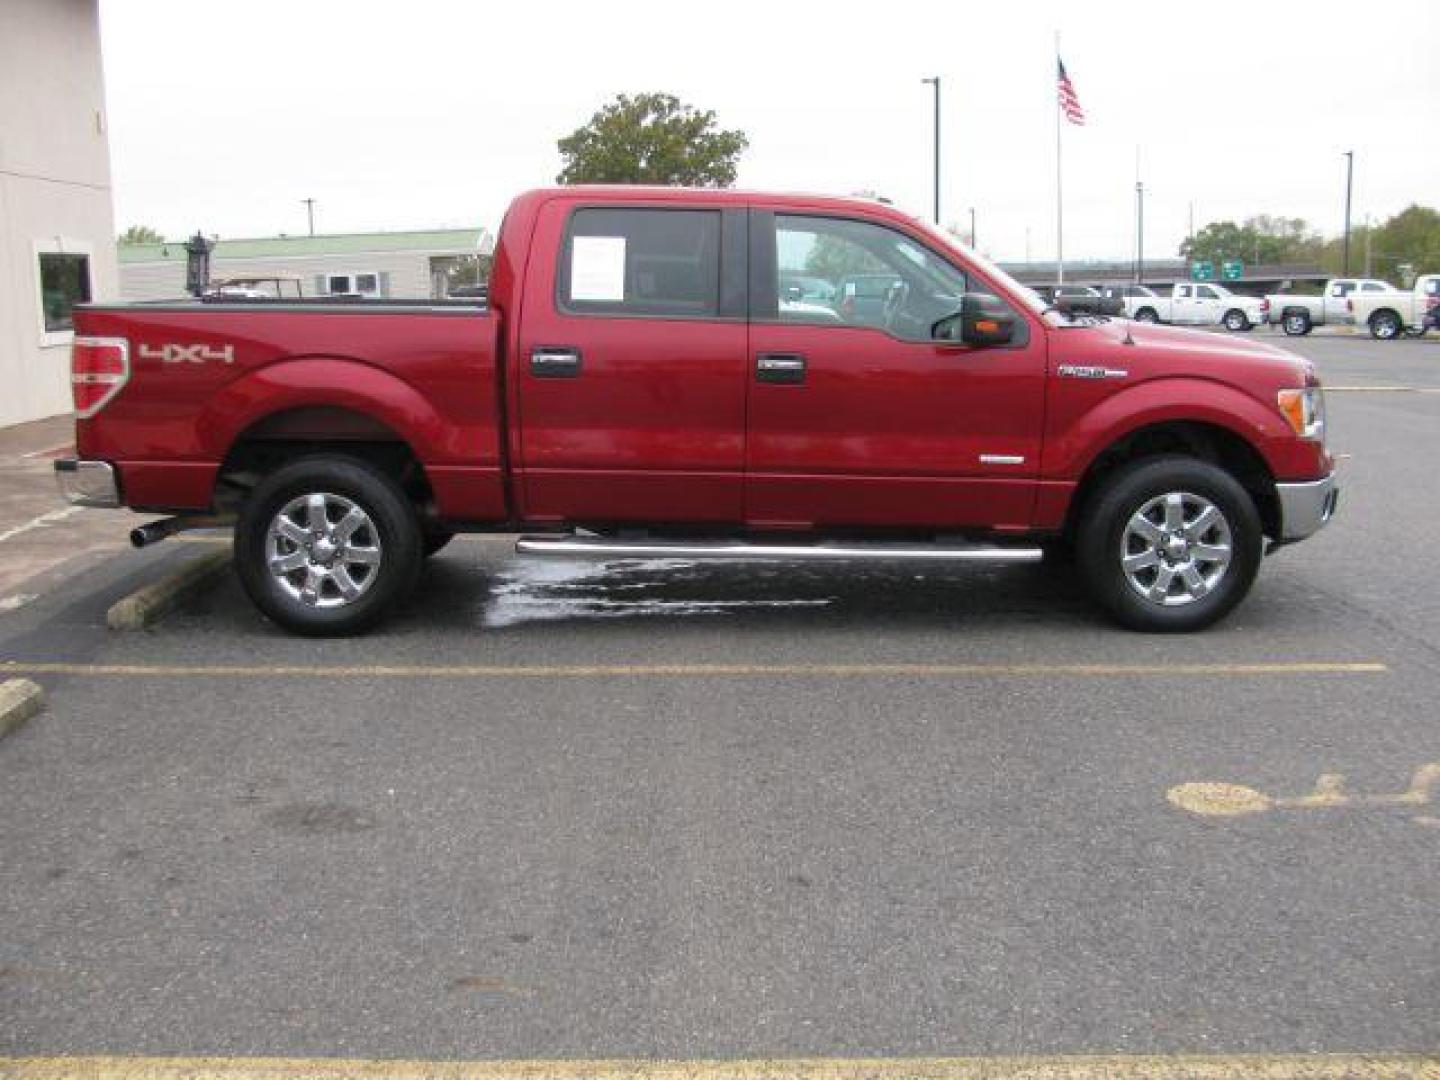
99	368
1432	302
1264	304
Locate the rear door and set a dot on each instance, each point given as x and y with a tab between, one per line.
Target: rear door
631	374
862	421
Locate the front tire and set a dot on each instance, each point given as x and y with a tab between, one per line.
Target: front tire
1170	544
326	545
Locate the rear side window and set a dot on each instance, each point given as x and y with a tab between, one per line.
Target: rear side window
655	263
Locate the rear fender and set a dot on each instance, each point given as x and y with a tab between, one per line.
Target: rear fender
322	381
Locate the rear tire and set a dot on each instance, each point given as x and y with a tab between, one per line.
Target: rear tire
1296	323
435	539
1146	314
1170	544
1385	326
1235	320
326	546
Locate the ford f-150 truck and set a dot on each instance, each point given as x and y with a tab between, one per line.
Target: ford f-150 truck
637	384
1298	315
1389	315
1198	304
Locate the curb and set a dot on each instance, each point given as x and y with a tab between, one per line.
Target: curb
20	699
144	607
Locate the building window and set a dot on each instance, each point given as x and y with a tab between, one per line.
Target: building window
64	280
365	284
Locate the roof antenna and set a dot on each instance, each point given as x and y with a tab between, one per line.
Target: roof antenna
1127	340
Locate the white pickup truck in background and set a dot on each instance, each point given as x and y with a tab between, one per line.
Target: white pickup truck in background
1197	304
1389	315
1298	315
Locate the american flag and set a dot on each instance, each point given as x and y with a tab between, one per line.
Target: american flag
1069	101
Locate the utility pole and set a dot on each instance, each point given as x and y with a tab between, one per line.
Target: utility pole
1349	178
935	81
1027	246
1368	231
973	243
1139	233
310	213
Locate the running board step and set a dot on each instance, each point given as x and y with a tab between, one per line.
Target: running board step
732	549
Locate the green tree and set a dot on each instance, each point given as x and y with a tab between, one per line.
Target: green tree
1260	240
651	139
141	234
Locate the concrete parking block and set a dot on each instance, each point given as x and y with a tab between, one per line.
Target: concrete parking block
145	606
20	699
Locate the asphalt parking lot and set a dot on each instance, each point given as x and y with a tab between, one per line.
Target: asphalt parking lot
563	809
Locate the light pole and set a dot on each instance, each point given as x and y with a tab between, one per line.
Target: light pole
935	81
310	213
973	243
1139	233
1349	177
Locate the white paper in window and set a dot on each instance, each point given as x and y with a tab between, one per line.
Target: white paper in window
597	268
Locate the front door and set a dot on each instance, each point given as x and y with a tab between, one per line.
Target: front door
631	375
858	417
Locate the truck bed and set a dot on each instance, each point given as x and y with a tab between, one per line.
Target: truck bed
205	376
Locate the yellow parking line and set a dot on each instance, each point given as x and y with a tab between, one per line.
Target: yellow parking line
653	671
1104	1067
1381	389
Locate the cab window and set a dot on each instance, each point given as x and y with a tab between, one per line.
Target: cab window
635	261
1205	292
873	277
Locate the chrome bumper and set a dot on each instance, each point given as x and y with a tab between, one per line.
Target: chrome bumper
87	483
1306	507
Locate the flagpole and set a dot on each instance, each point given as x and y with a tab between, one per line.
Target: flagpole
1059	183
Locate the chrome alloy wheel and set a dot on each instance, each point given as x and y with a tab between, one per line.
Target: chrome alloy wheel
1176	548
323	550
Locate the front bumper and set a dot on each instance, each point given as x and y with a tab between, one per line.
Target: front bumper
1306	507
88	483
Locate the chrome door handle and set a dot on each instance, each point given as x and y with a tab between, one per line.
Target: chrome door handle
555	362
787	368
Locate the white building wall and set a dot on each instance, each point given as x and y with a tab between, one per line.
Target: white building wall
54	187
409	272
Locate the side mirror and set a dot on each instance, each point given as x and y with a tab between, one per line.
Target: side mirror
981	321
792	292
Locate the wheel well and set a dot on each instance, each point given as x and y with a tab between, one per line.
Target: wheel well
1217	445
282	437
1383	311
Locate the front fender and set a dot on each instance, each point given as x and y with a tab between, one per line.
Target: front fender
1081	431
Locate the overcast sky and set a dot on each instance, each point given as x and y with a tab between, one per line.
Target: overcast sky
223	117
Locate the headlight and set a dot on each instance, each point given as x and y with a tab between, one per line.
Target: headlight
1305	411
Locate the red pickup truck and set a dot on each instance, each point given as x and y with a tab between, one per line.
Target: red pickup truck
697	373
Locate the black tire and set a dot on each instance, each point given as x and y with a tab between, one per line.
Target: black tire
390	528
1235	320
1296	323
1146	314
1105	532
434	540
1386	326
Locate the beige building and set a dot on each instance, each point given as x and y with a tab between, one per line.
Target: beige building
57	224
395	265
